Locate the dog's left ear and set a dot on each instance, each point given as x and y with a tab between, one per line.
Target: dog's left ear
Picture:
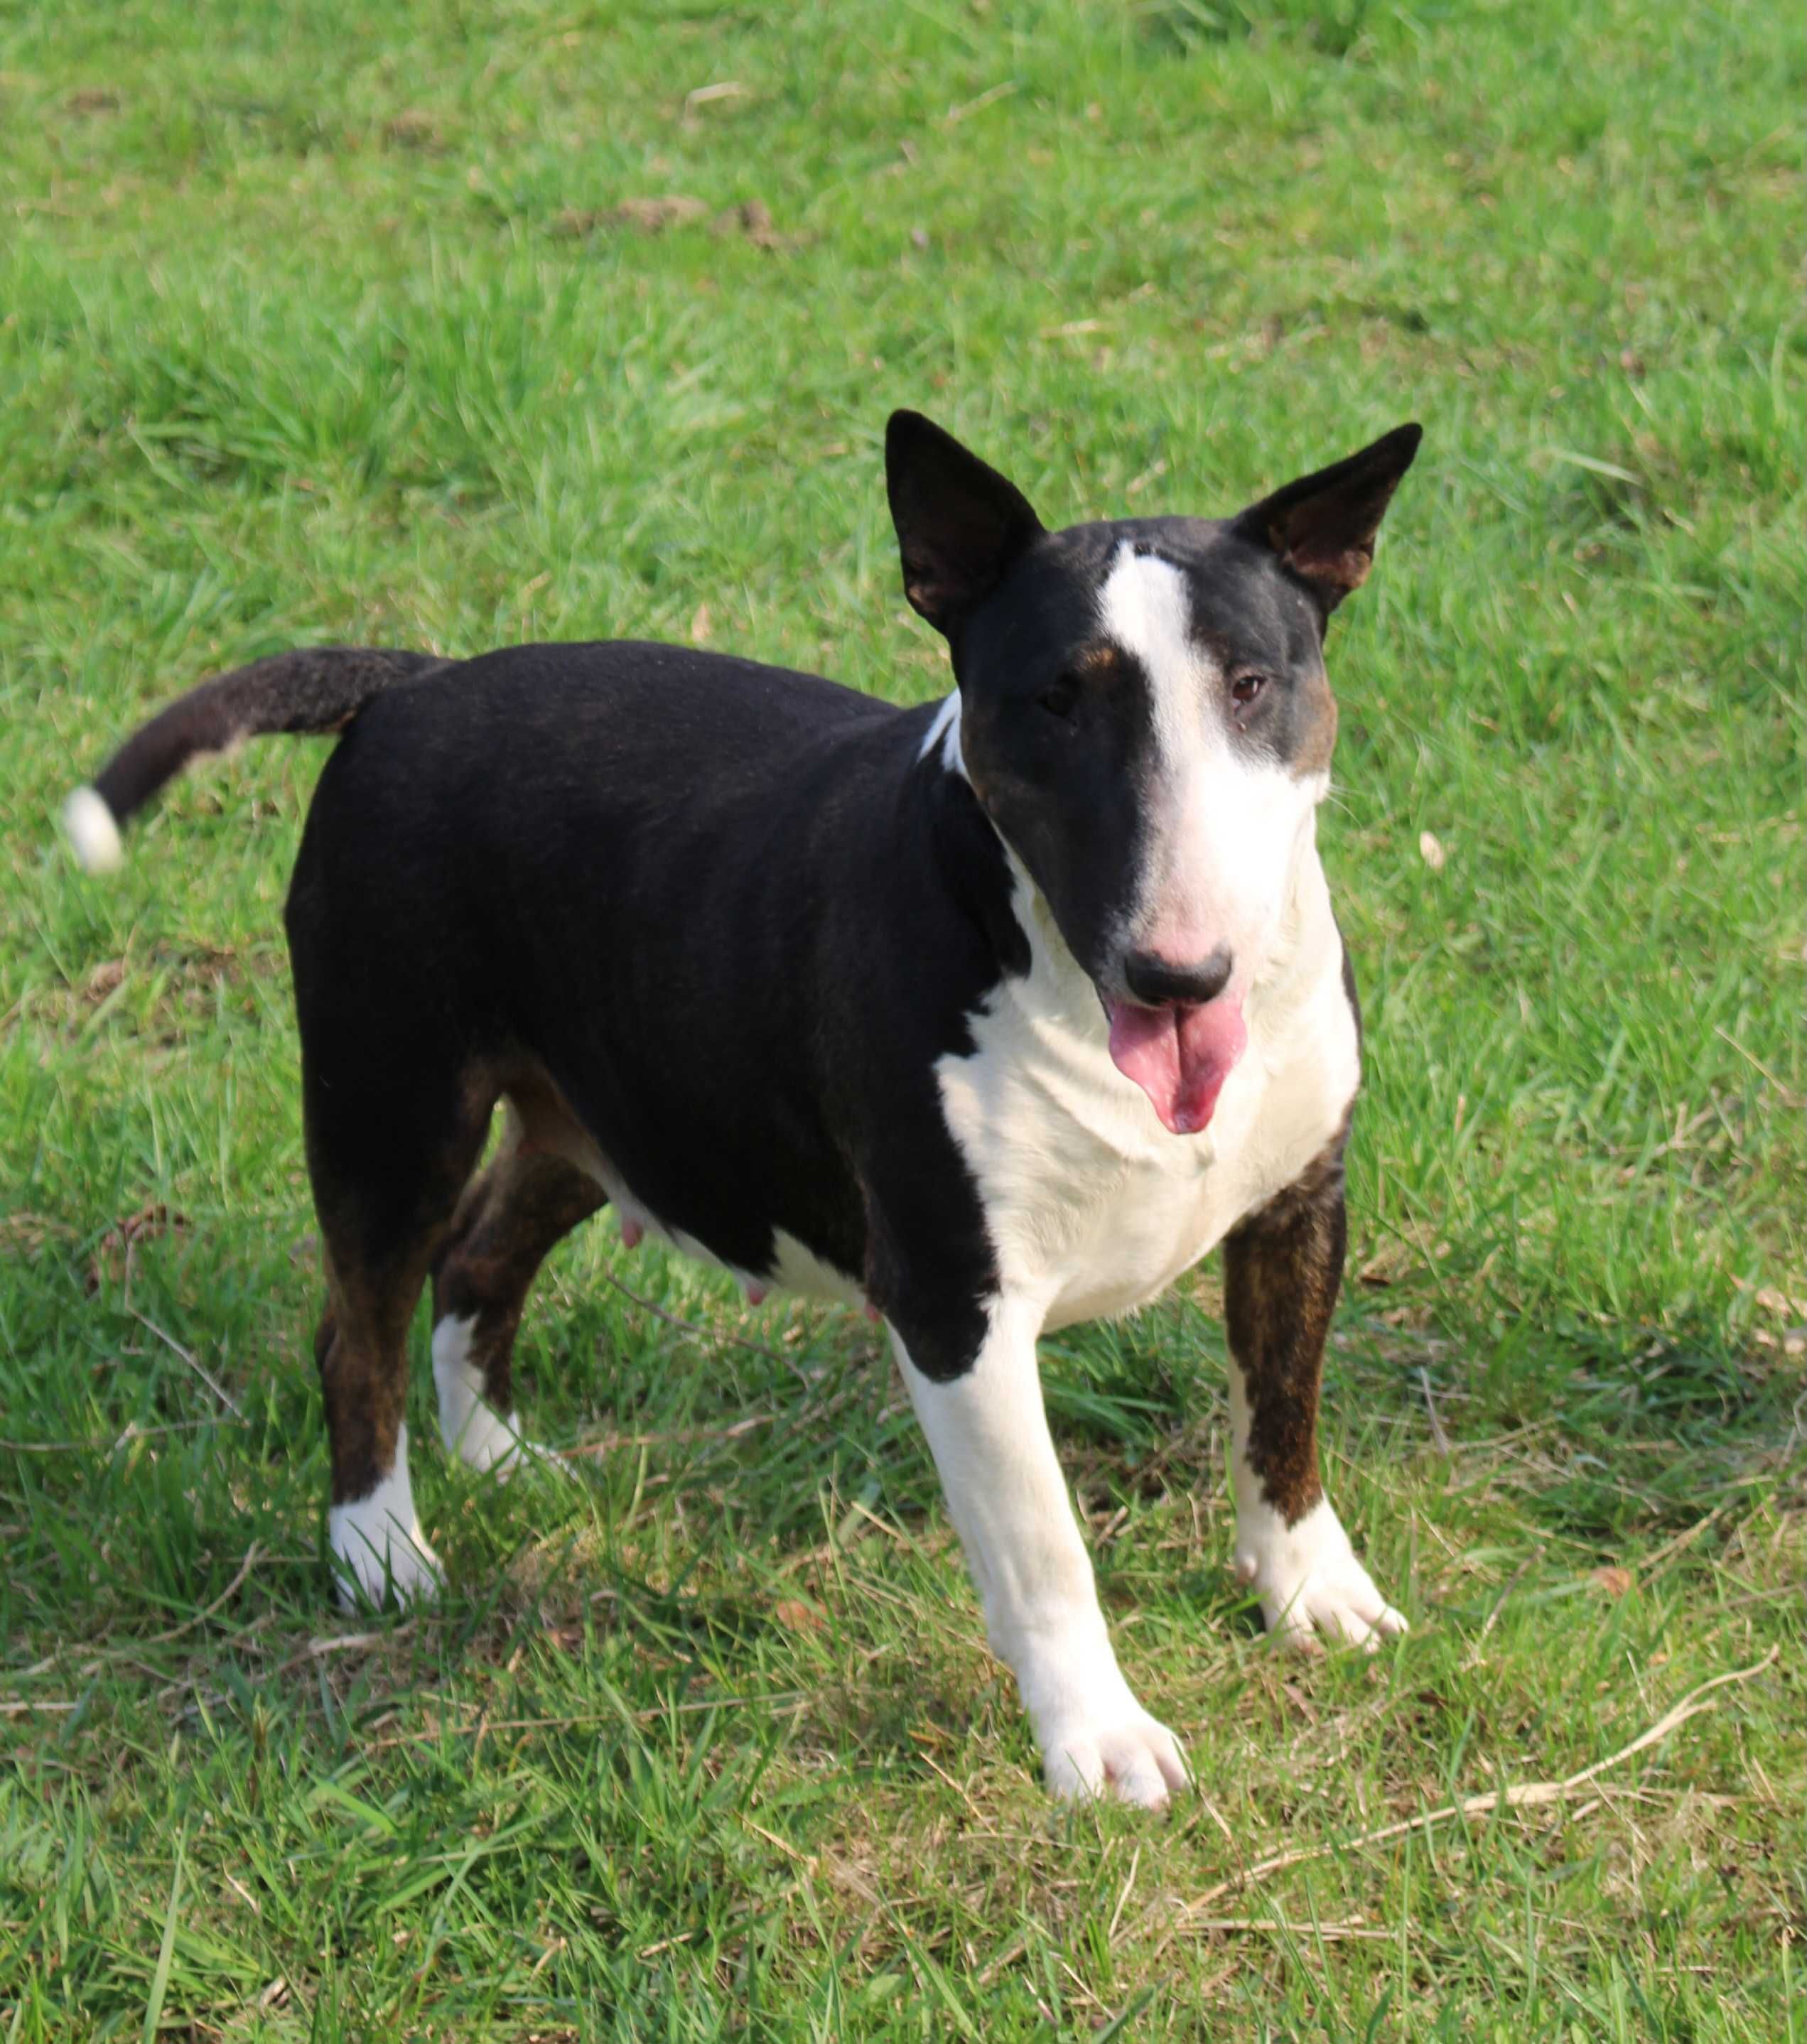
960	524
1323	526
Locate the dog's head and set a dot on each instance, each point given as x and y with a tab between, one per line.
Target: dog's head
1145	717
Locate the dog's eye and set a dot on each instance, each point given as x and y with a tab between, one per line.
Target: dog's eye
1060	698
1245	688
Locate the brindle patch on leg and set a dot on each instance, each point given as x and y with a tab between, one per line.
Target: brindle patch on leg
363	1399
374	1532
1282	1268
532	1195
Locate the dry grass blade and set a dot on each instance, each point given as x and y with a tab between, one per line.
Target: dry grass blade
1256	1925
707	1336
193	1362
1528	1794
224	1598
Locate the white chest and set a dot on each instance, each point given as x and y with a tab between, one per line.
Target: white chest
1093	1206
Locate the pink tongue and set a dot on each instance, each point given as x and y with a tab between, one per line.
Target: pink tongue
1180	1057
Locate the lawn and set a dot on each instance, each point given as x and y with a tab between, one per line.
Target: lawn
338	321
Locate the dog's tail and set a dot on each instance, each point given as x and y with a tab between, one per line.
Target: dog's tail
319	688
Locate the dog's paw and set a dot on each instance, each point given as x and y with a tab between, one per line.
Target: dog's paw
371	1572
495	1446
472	1429
379	1553
1096	1739
1311	1586
1128	1755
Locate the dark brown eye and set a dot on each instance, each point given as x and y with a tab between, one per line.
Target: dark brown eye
1060	698
1245	688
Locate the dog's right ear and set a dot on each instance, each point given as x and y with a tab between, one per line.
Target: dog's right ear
960	524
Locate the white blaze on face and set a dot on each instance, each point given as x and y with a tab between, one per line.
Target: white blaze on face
1227	827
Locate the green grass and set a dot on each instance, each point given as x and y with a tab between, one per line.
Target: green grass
314	324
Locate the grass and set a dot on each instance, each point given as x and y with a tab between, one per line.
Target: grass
317	322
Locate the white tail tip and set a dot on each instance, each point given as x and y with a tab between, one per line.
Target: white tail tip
93	833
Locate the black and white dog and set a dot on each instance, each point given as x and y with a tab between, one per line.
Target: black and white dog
991	1015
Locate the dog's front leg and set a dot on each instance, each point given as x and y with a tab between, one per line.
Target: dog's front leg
1282	1269
1009	1502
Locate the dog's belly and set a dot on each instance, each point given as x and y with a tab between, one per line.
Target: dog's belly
792	1266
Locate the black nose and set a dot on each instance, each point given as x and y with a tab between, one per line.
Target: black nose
1158	982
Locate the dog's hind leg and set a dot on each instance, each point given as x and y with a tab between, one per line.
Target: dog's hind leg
387	1159
527	1199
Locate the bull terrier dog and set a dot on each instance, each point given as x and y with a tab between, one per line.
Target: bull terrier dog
988	1014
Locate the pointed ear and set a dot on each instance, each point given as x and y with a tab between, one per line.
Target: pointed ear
960	523
1323	526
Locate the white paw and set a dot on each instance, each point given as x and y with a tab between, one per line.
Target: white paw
1096	1739
379	1553
373	1571
472	1428
1128	1755
496	1446
1310	1582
